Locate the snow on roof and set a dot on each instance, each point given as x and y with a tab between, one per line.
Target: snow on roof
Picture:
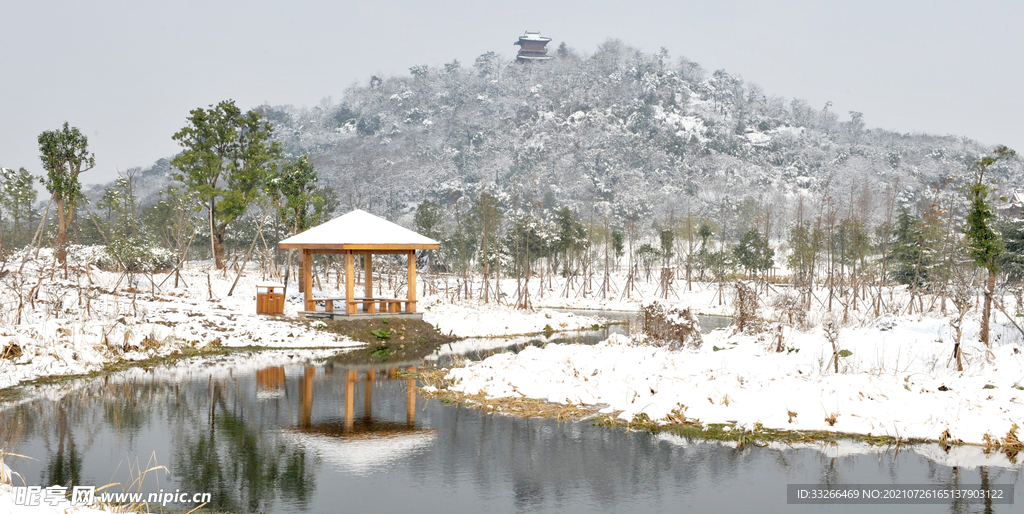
532	36
358	228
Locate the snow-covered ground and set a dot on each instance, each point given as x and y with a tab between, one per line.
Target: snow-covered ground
476	319
76	325
897	381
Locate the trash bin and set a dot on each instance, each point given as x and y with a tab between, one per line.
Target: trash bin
269	298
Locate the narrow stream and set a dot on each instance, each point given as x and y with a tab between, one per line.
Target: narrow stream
478	348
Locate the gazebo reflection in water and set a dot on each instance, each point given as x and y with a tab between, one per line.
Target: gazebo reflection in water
350	440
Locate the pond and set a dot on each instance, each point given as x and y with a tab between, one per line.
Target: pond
295	432
276	432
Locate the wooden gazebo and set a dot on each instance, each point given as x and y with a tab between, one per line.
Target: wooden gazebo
362	233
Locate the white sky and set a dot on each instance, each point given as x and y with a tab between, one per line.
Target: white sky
127	73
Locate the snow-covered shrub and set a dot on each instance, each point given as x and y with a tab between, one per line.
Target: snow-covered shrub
789	309
132	255
81	255
663	325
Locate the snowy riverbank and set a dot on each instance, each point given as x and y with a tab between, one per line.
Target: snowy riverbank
896	381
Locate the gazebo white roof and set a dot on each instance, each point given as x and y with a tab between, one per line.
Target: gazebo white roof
359	230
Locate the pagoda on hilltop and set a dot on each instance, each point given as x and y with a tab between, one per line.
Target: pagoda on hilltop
532	47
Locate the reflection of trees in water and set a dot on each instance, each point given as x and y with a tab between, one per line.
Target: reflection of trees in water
127	407
220	449
64	467
546	461
217	444
67	427
64	430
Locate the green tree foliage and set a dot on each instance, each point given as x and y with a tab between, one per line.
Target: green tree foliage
983	243
65	156
909	263
171	220
428	218
226	160
1011	261
720	263
646	256
300	201
754	253
119	206
856	242
487	215
16	198
428	221
570	240
525	243
704	233
618	243
667	240
804	242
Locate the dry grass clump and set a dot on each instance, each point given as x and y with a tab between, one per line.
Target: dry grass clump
678	415
665	326
831	419
746	319
6	473
433	377
11	351
1011	441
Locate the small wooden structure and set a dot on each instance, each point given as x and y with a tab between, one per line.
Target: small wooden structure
359	233
269	298
532	47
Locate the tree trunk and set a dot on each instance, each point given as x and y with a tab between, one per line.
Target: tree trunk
62	232
216	250
987	311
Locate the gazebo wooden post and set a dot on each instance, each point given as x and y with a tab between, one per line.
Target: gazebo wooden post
371	375
410	398
350	283
306	397
369	306
410	306
350	399
307	280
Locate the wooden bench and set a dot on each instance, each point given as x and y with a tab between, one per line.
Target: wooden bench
370	304
328	302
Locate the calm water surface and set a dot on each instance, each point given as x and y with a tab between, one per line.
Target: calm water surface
312	437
